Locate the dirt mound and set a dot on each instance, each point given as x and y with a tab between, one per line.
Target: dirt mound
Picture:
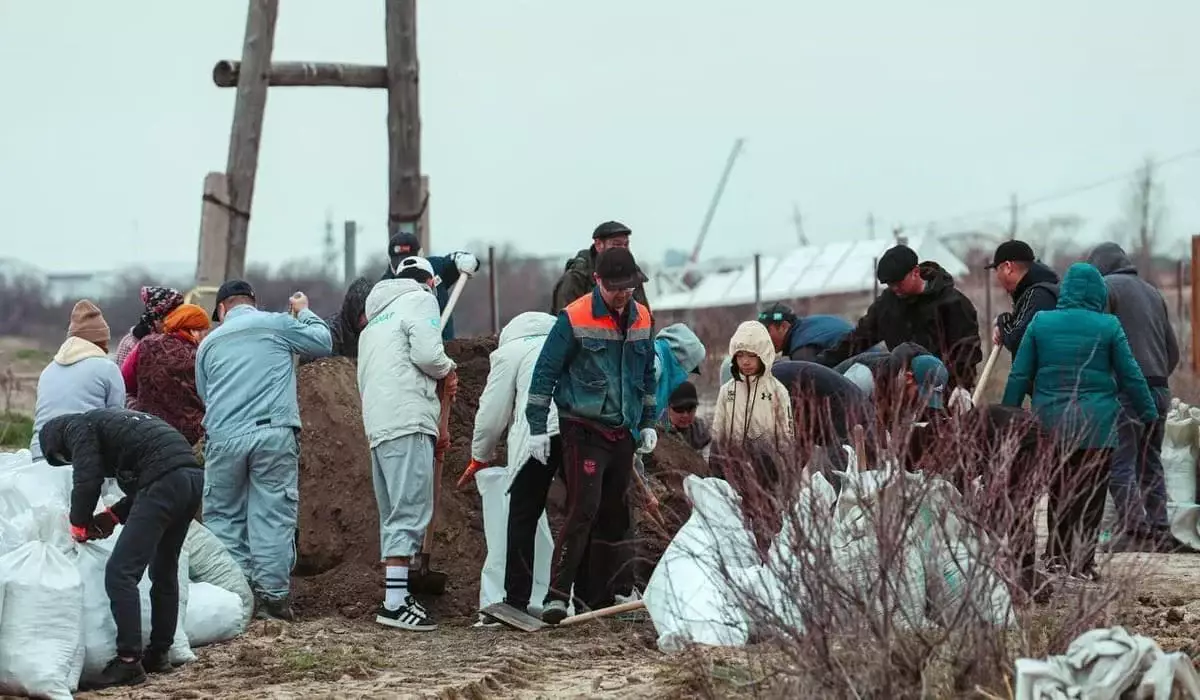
338	567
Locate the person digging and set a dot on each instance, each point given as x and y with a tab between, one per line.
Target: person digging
153	464
402	363
597	366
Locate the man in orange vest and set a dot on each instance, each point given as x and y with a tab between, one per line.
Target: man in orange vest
597	365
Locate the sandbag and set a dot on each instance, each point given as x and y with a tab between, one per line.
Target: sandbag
213	615
688	597
493	484
961	587
40	651
1179	456
99	628
210	562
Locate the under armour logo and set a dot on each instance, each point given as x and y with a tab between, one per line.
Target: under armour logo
765	396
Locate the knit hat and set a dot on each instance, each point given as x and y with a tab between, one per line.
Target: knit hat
159	301
88	323
187	317
684	397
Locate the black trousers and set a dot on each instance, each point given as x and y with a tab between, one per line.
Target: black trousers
153	536
597	465
527	502
1077	494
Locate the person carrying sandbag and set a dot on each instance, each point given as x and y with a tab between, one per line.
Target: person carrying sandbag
153	464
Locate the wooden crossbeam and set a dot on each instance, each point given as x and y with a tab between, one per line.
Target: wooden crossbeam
307	74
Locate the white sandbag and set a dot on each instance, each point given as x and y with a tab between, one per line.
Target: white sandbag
1179	458
17	526
42	485
9	460
688	596
493	484
856	561
210	562
213	615
99	628
1184	520
40	629
960	587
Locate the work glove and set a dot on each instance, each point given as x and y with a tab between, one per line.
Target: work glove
649	441
103	524
79	533
465	262
539	448
468	474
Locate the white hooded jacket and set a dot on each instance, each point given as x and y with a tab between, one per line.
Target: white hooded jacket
400	360
502	404
753	409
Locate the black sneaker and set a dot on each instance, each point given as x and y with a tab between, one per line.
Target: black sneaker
156	662
274	609
118	673
554	612
410	616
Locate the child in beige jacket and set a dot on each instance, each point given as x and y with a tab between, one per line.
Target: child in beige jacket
753	412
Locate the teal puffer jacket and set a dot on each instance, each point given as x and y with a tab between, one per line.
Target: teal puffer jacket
1075	361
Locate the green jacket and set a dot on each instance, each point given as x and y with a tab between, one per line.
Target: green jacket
1075	361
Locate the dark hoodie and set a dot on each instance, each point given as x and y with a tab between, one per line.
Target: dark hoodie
1037	291
941	319
344	324
1142	311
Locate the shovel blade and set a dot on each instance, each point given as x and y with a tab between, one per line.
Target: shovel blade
427	582
509	616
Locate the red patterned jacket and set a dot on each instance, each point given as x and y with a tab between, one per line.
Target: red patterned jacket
166	383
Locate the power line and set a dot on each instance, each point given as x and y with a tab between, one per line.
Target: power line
1057	194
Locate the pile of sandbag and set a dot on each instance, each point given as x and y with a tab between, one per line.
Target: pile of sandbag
712	584
56	627
1181	445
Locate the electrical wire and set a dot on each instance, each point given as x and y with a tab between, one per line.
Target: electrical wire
1054	195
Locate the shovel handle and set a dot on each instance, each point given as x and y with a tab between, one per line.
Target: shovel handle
604	612
981	382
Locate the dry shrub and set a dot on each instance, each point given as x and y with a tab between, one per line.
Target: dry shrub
903	589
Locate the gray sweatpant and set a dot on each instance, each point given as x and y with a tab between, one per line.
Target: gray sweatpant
402	472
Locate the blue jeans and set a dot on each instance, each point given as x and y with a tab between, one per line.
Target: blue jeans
1137	486
252	501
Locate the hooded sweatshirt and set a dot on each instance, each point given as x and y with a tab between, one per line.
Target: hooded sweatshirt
502	404
401	358
1037	291
1075	361
343	324
941	319
753	409
1142	311
678	353
79	379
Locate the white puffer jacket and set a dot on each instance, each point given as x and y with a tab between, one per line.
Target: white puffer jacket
502	405
753	409
400	359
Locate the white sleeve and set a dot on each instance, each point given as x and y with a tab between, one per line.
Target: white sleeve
425	339
495	408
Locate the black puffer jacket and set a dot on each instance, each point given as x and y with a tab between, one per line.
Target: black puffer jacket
344	324
134	448
941	319
1037	291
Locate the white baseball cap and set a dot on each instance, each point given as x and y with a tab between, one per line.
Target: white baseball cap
414	261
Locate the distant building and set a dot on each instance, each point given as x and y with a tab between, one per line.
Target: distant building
62	287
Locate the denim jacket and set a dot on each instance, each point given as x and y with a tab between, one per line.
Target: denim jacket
589	362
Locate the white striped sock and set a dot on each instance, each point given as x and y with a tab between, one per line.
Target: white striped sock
396	587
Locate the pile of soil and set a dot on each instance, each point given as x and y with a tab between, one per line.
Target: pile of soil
338	568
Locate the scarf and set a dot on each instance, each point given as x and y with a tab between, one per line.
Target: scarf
187	321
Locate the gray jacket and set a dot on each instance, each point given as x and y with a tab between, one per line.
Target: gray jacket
1142	311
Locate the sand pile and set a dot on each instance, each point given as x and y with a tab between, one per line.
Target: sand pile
338	568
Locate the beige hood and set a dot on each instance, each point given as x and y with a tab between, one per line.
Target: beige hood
76	349
752	336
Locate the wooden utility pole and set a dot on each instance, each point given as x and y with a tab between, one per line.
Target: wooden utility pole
248	111
408	190
350	252
405	202
1012	216
871	226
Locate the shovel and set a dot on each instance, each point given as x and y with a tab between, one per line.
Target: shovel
423	579
981	382
509	616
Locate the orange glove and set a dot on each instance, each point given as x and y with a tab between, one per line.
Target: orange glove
79	534
468	474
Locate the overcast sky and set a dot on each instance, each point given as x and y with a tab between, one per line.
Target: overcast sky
544	117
